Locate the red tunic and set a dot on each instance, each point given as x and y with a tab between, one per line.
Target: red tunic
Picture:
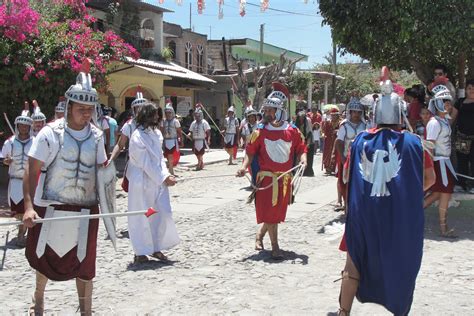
330	132
68	267
289	142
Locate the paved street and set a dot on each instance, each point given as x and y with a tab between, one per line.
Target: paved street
216	271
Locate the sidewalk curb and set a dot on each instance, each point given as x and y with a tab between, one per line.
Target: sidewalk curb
193	165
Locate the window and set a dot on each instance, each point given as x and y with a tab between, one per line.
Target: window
188	55
172	47
200	59
147	34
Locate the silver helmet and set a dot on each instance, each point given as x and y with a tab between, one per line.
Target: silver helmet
277	99
139	100
198	115
82	92
354	105
250	111
388	107
37	114
441	94
24	118
169	108
60	107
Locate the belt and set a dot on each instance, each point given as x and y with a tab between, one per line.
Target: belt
274	175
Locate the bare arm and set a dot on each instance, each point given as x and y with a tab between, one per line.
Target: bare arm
247	161
118	147
179	132
30	179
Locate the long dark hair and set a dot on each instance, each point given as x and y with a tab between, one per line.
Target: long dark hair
149	116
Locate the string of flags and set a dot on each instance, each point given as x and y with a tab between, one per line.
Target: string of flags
201	5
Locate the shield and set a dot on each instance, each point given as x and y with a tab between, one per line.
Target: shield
106	179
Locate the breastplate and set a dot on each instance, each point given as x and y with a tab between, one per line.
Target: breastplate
19	158
71	177
230	126
198	131
351	132
170	129
443	142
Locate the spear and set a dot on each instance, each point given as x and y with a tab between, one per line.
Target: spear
8	123
147	213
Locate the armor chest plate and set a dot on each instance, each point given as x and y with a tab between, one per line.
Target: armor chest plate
170	129
351	132
198	130
71	177
231	125
19	158
443	142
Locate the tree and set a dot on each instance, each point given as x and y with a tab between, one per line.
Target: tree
359	80
405	34
42	46
263	78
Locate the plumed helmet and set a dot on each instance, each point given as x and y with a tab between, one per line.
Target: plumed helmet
83	92
24	117
139	99
198	111
37	114
388	107
441	94
277	100
231	109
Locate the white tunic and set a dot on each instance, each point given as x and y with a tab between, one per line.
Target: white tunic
170	130
147	171
198	130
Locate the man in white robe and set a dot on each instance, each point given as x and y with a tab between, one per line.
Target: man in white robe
149	179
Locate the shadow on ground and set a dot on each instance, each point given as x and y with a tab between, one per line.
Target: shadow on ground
266	256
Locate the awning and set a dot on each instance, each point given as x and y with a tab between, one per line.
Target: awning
169	69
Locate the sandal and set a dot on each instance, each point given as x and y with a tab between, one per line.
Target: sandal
160	256
276	253
448	233
140	259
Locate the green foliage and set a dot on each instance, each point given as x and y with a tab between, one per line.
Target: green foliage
167	54
405	34
359	80
298	83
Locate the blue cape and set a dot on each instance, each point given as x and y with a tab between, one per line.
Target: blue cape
384	230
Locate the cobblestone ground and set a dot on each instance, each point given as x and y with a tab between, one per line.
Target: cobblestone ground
216	271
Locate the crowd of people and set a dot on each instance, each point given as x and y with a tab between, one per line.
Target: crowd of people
53	173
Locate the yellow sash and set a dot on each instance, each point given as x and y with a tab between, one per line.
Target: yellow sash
274	175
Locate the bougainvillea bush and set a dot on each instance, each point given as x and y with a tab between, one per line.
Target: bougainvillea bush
42	46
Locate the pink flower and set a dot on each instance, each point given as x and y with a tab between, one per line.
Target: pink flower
6	60
40	74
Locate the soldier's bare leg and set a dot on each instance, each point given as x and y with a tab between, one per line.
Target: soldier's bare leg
350	282
38	297
259	238
84	292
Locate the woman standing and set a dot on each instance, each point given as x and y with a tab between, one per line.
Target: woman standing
420	127
148	187
465	133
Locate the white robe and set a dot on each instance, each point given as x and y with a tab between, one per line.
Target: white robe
146	173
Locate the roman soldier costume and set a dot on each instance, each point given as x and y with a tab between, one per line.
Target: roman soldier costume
231	132
199	127
170	130
67	186
348	130
385	218
329	130
15	151
275	145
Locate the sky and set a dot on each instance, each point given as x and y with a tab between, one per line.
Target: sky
300	30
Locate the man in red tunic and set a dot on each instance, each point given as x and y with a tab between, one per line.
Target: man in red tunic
329	130
276	144
67	154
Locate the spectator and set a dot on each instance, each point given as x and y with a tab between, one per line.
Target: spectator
464	127
113	127
440	76
420	127
416	99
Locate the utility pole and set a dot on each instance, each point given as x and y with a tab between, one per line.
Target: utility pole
190	15
210	31
334	69
262	33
